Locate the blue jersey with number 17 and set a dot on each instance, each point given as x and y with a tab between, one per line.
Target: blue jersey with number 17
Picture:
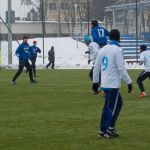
99	35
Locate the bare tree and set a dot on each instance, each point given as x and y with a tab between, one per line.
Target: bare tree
82	12
64	11
46	9
69	13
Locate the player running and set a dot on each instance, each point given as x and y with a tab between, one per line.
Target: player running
144	58
99	34
23	54
33	55
111	64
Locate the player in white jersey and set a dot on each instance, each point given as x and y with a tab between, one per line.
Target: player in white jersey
110	62
144	58
93	49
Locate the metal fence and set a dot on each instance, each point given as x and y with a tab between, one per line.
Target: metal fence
42	18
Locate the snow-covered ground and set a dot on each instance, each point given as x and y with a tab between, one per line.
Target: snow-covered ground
67	55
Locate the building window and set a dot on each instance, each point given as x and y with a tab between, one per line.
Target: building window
52	6
64	6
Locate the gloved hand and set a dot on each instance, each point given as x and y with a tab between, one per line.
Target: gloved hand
89	61
130	87
95	87
87	52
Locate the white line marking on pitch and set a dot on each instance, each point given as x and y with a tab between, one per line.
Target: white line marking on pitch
65	84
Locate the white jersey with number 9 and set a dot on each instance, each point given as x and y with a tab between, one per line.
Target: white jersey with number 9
110	62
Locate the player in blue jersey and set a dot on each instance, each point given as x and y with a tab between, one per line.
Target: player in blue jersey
110	62
33	55
99	34
23	54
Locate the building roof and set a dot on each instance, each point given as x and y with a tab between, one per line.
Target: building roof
127	6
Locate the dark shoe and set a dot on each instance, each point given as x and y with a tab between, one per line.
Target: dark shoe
13	82
112	132
104	135
34	81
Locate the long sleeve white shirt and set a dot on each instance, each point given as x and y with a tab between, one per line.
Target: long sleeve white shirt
93	49
145	58
110	62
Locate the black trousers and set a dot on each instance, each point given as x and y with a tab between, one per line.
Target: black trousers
33	61
144	75
51	62
23	64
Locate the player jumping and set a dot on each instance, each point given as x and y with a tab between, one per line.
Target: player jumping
99	34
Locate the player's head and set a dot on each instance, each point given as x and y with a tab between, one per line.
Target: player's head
115	35
52	48
34	42
25	39
143	48
86	39
94	23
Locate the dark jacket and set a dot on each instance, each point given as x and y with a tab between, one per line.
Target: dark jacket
33	51
51	55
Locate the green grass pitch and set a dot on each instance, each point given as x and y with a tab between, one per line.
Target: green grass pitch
60	113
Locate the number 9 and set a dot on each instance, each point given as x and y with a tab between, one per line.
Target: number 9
104	63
